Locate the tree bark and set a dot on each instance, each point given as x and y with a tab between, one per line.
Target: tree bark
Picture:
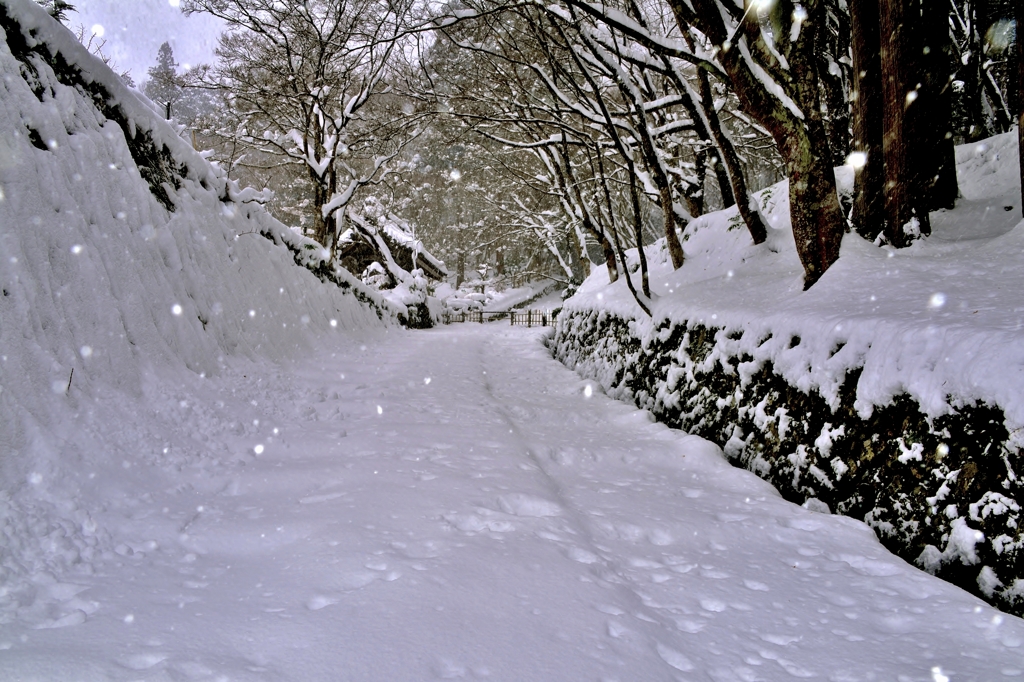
835	76
906	214
937	154
869	197
817	219
731	163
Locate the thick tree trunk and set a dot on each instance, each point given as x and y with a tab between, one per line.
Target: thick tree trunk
609	260
813	199
906	214
320	199
817	219
936	101
869	197
694	193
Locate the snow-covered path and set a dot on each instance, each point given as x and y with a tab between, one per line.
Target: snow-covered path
456	504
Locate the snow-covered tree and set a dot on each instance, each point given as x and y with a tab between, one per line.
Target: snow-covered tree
164	85
308	86
58	9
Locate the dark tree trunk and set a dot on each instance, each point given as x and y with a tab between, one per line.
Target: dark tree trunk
936	100
976	127
869	196
320	199
609	259
731	162
724	183
694	193
817	219
906	214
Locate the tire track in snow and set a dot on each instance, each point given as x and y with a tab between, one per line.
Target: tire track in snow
584	548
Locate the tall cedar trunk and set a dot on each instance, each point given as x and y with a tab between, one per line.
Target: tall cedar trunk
1020	97
869	198
937	155
904	190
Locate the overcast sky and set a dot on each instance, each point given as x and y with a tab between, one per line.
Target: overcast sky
135	29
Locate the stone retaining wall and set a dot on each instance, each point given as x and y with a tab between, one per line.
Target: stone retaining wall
942	493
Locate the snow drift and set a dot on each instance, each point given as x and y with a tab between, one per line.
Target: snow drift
125	259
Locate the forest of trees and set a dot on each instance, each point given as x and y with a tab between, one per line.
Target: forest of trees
529	138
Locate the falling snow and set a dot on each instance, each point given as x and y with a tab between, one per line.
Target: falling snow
217	496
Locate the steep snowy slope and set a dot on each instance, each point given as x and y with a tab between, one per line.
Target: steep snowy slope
127	263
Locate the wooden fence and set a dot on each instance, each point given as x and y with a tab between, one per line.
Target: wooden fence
527	318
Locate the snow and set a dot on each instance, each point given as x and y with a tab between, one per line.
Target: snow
955	335
250	476
495	523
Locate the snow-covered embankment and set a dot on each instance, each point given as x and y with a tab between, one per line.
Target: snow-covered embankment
891	391
127	263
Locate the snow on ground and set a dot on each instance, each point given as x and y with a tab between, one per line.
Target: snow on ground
944	317
456	504
249	477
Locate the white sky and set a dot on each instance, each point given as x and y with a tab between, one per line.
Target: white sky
135	29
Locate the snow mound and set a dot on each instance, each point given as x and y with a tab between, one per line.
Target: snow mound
941	321
125	259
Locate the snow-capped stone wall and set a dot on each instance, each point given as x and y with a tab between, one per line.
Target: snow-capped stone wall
941	492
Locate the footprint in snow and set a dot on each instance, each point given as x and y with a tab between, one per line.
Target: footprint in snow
76	617
521	504
141	661
326	497
320	601
447	669
582	556
674	658
471	523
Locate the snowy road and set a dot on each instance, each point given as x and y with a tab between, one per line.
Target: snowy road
456	504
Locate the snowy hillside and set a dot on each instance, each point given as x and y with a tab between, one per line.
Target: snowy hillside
123	277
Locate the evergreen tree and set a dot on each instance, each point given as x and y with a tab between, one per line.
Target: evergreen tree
164	85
